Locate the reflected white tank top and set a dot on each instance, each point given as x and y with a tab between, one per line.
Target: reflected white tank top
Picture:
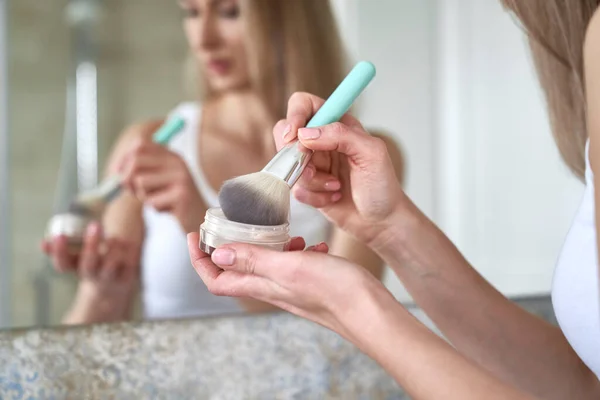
575	294
171	287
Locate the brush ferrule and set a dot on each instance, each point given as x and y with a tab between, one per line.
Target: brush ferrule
111	188
289	163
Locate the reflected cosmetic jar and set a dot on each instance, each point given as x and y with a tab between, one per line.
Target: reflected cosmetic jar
217	230
70	225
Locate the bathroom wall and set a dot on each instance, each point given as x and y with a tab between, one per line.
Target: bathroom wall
448	87
139	71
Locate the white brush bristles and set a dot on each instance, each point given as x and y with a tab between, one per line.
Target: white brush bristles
256	199
93	202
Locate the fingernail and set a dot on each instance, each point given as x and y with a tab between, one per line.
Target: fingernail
309	133
333	185
310	172
92	229
287	130
336	197
223	256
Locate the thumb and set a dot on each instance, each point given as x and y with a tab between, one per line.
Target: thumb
361	148
256	260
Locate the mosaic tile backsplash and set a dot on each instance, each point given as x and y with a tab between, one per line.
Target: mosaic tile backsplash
275	356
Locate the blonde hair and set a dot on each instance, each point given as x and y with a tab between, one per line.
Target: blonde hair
556	30
293	45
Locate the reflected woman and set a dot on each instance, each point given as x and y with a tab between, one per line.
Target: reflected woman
249	56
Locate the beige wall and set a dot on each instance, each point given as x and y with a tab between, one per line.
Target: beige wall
141	53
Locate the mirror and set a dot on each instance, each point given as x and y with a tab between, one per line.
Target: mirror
82	72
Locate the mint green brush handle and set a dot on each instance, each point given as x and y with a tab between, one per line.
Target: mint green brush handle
169	129
289	163
111	187
344	95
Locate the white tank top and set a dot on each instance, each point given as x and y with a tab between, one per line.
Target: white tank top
171	287
575	294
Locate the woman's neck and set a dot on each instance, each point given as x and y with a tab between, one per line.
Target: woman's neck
243	117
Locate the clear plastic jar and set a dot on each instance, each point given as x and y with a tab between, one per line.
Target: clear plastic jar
218	230
70	225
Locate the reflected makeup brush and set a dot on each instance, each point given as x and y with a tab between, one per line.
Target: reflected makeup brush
90	205
263	198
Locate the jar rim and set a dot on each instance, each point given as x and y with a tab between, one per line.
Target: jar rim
215	215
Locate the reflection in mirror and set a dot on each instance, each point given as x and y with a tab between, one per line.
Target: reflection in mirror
93	81
163	117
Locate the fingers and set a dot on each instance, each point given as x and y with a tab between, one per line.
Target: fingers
322	161
301	108
242	270
319	248
146	183
61	259
296	244
280	132
315	199
319	181
90	257
163	201
273	265
360	147
220	282
46	247
201	261
114	260
145	156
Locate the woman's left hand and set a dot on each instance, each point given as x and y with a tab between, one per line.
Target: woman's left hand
160	178
325	289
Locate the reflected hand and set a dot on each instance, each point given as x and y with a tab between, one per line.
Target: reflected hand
350	178
108	271
161	179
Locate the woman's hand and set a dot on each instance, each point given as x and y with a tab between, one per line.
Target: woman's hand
108	270
160	178
350	177
313	285
346	299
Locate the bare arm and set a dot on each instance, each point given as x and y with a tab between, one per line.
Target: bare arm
344	245
346	298
521	349
422	363
518	347
98	301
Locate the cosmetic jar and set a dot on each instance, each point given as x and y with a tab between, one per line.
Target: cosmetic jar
217	230
70	225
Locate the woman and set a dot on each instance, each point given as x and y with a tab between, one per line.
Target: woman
251	55
500	351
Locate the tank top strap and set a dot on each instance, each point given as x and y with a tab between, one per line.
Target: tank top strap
186	144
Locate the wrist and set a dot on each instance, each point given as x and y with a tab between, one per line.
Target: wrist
93	304
360	324
392	238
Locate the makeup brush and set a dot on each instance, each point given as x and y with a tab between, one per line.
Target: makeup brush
91	203
263	198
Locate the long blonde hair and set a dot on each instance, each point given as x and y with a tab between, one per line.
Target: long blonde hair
293	45
556	30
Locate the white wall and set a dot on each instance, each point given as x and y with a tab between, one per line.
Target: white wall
509	199
457	90
397	36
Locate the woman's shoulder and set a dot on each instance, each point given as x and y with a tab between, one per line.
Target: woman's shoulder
591	61
394	150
